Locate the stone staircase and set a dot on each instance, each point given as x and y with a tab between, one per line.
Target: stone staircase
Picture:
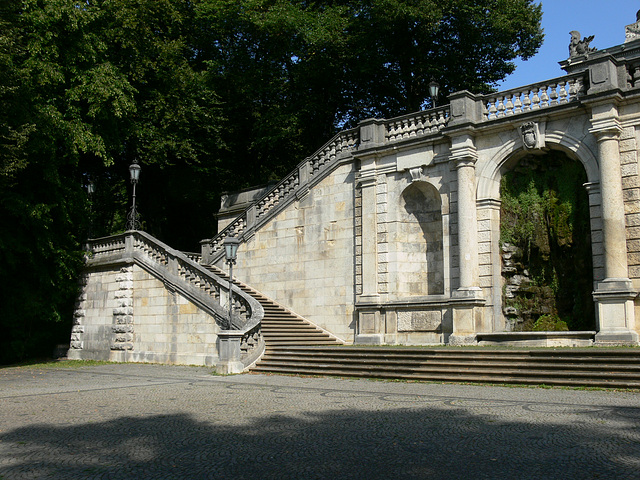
280	326
296	346
605	368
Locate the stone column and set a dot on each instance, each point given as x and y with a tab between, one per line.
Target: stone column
615	294
468	296
464	157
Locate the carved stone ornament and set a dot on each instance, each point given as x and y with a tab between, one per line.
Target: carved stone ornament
579	47
530	135
632	32
416	173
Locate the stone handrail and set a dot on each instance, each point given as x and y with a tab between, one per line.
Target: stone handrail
292	186
417	124
192	280
556	91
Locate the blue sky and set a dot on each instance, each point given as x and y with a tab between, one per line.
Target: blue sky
605	19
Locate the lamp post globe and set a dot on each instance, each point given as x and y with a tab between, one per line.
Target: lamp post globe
133	221
434	90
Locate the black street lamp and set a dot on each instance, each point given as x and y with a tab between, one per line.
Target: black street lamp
434	90
231	253
91	189
133	219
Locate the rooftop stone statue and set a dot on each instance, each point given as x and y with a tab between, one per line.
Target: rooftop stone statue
632	32
580	47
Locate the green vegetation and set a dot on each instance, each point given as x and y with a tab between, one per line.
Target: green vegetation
208	95
545	215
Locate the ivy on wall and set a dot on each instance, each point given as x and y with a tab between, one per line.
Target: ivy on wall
545	228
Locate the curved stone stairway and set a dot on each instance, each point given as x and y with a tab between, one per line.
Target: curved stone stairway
296	346
280	326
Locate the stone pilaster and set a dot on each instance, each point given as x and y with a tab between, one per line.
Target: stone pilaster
370	328
615	294
369	232
467	315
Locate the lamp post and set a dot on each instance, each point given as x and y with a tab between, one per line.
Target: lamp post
434	90
133	222
231	253
91	188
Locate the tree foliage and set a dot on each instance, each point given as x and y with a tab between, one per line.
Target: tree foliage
545	214
208	95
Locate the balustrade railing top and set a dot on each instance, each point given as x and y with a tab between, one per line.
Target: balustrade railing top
549	93
184	268
288	186
417	124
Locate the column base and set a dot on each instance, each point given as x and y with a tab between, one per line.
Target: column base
617	338
369	339
460	340
229	368
615	314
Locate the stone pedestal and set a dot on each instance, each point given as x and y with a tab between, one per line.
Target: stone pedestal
370	329
229	352
615	312
467	316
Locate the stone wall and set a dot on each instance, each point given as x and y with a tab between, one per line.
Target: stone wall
304	257
125	314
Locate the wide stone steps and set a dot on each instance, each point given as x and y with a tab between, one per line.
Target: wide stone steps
281	327
592	367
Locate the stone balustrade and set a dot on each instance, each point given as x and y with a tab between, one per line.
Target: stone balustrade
417	124
179	264
243	341
550	93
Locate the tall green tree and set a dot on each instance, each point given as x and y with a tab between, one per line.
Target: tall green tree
292	73
208	95
88	87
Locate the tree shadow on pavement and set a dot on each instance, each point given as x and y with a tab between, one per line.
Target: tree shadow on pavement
390	444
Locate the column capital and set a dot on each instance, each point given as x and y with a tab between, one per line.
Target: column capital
468	160
463	150
605	128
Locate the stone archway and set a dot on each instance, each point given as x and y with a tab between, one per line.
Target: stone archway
545	243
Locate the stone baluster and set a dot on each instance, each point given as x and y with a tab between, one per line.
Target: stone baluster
517	105
553	96
420	125
535	99
501	107
544	98
509	105
563	94
526	102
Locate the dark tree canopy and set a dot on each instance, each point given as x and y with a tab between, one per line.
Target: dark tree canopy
208	95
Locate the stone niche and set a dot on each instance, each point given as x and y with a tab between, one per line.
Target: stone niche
419	242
